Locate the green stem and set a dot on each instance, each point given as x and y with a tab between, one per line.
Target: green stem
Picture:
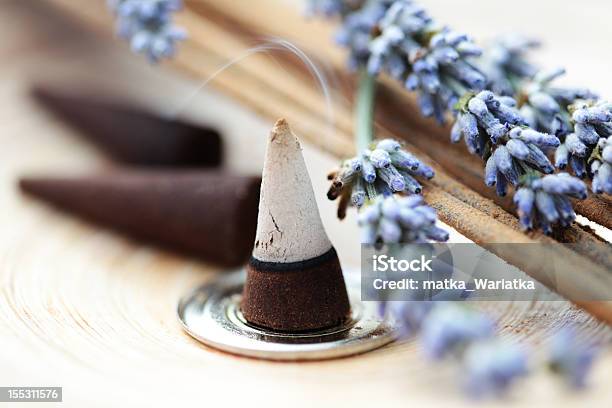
364	111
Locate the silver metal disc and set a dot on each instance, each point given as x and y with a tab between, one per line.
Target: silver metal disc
211	314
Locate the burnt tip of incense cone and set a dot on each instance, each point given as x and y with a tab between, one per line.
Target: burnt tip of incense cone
211	215
296	297
131	134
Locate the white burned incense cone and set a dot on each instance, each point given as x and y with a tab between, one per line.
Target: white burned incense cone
294	280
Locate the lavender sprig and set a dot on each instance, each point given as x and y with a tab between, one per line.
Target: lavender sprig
385	169
401	39
493	129
489	364
147	25
544	202
393	220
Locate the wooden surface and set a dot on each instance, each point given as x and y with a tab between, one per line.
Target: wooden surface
83	308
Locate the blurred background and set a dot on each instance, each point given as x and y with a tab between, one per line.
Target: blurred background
92	311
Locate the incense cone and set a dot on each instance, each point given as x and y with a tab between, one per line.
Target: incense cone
294	279
212	215
134	136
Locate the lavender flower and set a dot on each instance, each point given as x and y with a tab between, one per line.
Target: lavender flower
485	118
546	108
442	73
147	25
491	366
592	125
571	359
493	129
543	202
392	220
400	38
357	31
506	65
601	167
409	316
332	8
450	328
384	170
399	27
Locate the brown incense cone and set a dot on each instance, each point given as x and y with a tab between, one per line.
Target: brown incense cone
212	215
134	136
294	279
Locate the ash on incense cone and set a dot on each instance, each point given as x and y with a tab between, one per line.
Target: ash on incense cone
209	214
134	136
294	279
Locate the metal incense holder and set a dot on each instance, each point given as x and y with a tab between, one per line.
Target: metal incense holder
211	315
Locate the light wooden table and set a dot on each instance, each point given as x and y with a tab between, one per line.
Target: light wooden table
86	309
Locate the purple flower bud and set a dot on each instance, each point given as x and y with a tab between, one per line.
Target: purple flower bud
437	234
478	107
546	206
503	161
586	133
561	157
424	171
571	359
390	231
518	149
456	132
411	219
490	367
411	184
490	172
389	145
449	327
539	160
578	166
393	178
358	196
380	159
368	171
606	153
575	146
537	138
390	209
405	160
501	185
148	27
544	102
524	200
369	215
602	181
508	101
428	213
